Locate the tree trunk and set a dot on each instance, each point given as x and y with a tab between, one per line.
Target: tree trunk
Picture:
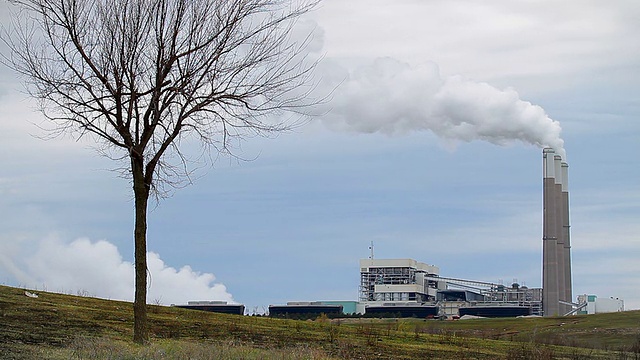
141	194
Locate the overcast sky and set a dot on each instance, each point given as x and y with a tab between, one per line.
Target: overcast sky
430	148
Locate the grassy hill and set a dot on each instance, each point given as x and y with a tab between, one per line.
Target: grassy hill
56	326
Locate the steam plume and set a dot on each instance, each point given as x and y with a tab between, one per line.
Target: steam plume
391	97
98	269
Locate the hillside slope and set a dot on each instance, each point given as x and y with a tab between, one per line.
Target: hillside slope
60	326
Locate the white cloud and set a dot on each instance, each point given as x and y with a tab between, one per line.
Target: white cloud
97	268
488	39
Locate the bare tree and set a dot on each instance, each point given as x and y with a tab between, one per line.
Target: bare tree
141	76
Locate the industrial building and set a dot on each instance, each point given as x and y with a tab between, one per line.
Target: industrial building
398	280
591	304
402	310
411	288
214	306
304	309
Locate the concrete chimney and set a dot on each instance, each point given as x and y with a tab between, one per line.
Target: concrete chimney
559	223
568	285
550	288
556	243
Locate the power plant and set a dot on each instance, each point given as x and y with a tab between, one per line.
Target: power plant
405	286
408	288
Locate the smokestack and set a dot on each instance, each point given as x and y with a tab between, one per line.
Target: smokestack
566	233
556	245
559	223
550	289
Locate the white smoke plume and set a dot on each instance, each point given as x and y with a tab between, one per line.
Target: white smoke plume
392	97
97	269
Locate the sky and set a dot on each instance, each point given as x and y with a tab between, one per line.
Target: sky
430	148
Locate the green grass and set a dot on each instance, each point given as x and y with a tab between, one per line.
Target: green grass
56	326
603	331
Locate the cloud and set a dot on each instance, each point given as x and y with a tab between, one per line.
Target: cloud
392	97
488	39
97	268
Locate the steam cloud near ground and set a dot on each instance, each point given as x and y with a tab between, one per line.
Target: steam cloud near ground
97	269
392	97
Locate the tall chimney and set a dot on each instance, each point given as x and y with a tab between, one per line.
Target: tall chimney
559	223
550	289
566	233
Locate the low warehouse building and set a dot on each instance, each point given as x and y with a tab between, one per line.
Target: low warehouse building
304	310
214	306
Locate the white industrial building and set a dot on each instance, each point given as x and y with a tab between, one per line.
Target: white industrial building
409	286
398	280
591	304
